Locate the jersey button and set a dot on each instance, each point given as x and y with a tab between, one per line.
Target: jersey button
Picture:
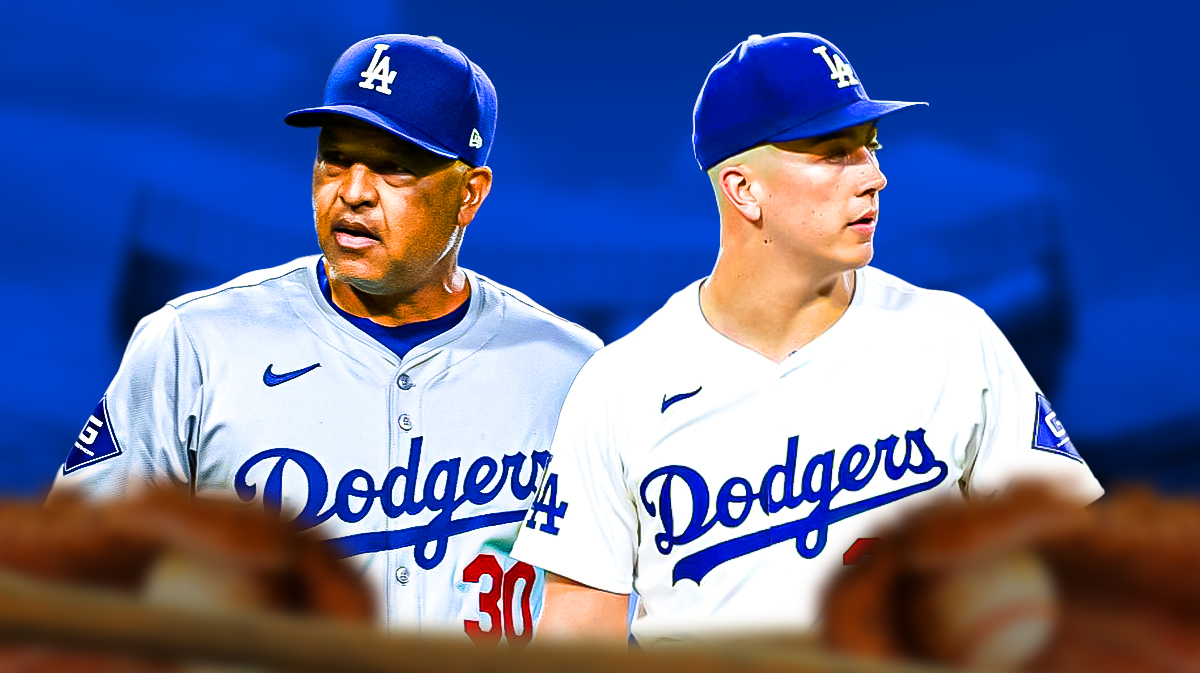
402	575
405	382
405	422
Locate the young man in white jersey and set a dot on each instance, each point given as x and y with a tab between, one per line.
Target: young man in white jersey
397	403
747	440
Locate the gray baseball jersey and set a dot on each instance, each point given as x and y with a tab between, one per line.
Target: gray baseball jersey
419	469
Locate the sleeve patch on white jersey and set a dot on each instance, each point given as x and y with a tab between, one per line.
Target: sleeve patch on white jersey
95	442
1049	434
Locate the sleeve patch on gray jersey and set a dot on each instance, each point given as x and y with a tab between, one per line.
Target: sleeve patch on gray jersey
1049	434
95	442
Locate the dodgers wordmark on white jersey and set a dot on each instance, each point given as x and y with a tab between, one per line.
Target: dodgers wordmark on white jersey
726	488
419	469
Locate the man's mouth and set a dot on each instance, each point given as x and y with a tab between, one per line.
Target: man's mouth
867	219
350	234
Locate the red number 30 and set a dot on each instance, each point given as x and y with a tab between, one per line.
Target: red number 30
499	599
862	548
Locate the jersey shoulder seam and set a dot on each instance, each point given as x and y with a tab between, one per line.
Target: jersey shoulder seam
522	299
204	294
948	300
191	342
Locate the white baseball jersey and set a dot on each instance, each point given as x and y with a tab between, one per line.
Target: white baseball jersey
726	488
420	469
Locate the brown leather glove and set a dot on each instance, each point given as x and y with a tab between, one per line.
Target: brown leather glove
167	548
1027	582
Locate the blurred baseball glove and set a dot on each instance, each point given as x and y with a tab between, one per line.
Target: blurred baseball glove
169	549
1029	582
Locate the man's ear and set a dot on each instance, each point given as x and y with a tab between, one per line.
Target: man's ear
477	184
737	185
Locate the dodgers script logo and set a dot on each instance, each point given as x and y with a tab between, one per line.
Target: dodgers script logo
443	491
737	497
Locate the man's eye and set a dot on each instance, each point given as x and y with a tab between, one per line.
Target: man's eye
874	146
333	158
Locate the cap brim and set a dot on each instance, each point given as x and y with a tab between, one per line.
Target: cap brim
317	116
858	112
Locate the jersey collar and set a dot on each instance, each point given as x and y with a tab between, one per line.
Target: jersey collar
710	338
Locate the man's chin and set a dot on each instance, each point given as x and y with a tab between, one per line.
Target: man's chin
865	254
356	276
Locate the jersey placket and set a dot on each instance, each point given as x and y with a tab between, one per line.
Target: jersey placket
405	579
410	383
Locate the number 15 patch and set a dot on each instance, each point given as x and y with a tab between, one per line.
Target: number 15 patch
1049	434
95	442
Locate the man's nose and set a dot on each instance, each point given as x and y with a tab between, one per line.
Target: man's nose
358	187
874	180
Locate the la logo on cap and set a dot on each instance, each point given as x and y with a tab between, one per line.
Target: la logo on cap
379	70
839	70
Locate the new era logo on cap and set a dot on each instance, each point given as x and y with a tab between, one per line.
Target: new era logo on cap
777	88
419	89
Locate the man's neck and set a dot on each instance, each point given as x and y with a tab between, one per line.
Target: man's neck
772	313
426	302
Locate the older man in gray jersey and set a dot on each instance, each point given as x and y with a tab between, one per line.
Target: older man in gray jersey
398	403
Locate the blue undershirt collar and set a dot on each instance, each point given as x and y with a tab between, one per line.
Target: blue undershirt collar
403	338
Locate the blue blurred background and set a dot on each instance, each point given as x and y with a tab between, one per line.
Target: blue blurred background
1050	180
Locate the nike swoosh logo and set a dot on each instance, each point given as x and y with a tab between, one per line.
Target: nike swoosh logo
272	379
668	401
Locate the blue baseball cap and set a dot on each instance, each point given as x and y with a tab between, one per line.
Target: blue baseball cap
776	88
418	88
